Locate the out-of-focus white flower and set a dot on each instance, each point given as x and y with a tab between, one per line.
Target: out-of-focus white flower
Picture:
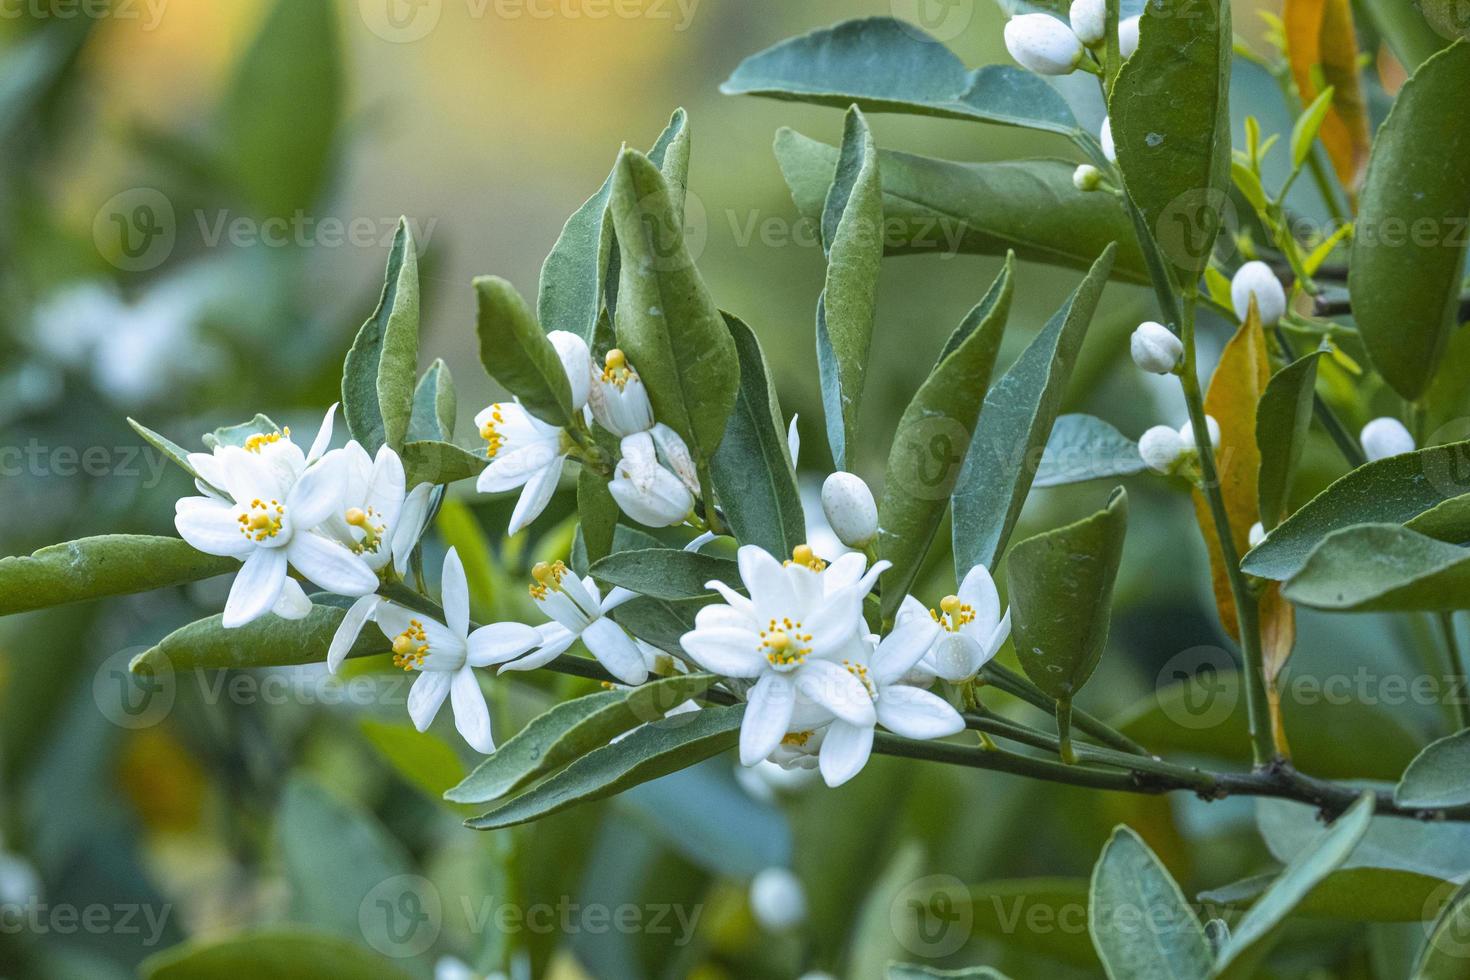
1385	437
644	490
1086	178
1128	36
1155	348
524	452
1089	20
1043	44
777	899
972	628
619	400
849	507
1105	137
19	883
579	611
1161	448
1186	433
1258	279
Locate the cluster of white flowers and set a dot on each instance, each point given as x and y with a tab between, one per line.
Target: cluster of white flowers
1049	46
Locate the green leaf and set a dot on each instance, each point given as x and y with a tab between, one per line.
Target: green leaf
1170	117
434	406
1084	447
932	438
575	276
378	376
1015	424
91	568
597	514
938	206
659	622
1382	568
168	447
667	573
1352	894
1022	915
422	759
1439	776
570	731
516	352
239	435
283	108
1409	249
1139	920
666	320
1444	953
884	65
913	971
1061	588
276	952
1252	937
1283	418
267	642
439	463
1426	847
752	470
1392	491
654	750
852	234
1308	124
1448	17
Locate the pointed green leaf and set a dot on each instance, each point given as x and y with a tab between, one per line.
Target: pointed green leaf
1436	848
1439	776
1015	424
111	564
1084	447
1061	589
168	447
1387	491
1447	950
852	234
440	463
382	366
666	573
1308	124
913	971
1283	419
569	731
515	351
752	471
1353	894
275	952
884	65
932	438
1141	925
267	642
666	320
434	406
1382	568
651	751
1409	248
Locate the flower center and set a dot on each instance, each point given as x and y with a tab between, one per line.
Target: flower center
548	578
262	519
797	740
492	436
803	554
260	440
861	673
953	614
372	529
411	647
617	371
784	644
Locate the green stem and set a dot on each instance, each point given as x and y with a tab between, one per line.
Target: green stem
1016	686
1456	662
1112	53
1404	28
1065	751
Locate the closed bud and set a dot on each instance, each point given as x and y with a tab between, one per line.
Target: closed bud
1385	437
1043	44
777	899
1086	177
849	506
1186	433
1105	137
1089	20
1161	448
644	490
1128	36
1155	348
1257	534
1256	278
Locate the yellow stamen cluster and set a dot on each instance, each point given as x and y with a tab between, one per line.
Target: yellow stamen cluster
953	614
860	671
548	578
372	531
262	520
411	647
616	370
784	643
493	439
797	740
260	440
803	554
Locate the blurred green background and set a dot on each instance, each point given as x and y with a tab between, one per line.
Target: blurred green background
145	149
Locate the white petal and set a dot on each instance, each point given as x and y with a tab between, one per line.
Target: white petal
725	650
836	689
555	641
211	527
426	695
956	657
616	651
913	713
536	495
904	647
293	603
515	467
454	589
247	476
317	495
716	616
766	581
330	565
793	441
978	591
845	571
499	642
387	487
471	714
208	467
349	629
845	751
410	525
256	588
576	360
767	718
323	435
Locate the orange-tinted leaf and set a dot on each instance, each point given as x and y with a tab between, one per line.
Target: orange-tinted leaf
1320	34
1278	636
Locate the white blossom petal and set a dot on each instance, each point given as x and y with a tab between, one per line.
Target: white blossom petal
471	714
330	565
256	588
537	494
426	695
211	526
349	629
730	651
913	713
836	689
767	718
845	751
499	642
454	589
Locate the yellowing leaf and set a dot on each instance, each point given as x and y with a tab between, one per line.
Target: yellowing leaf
1321	33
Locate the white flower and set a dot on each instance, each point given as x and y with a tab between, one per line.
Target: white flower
1155	348
644	490
578	611
1257	534
576	359
276	448
1384	437
777	899
674	453
972	628
1086	178
618	398
524	452
1186	434
267	523
375	517
1043	44
787	637
1161	448
1105	137
848	505
1128	36
1089	20
445	654
793	440
1258	279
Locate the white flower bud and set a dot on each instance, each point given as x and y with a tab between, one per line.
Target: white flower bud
1385	437
1186	433
777	899
1086	177
1161	448
1257	278
1128	36
1089	20
1043	44
577	360
1155	348
1257	533
1105	137
849	506
645	491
